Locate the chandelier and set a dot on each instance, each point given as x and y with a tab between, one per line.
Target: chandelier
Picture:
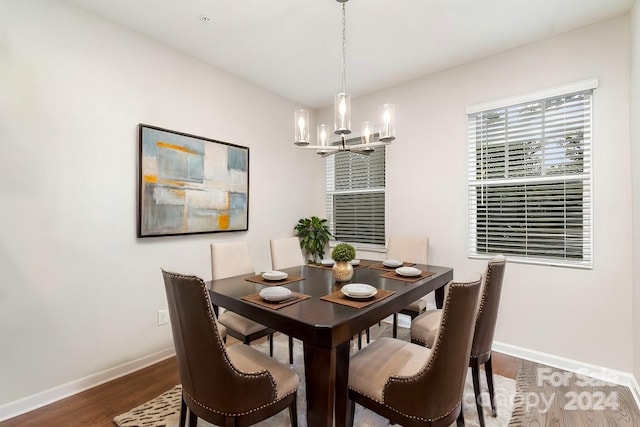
371	136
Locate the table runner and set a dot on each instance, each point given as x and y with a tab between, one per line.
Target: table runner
276	305
381	266
258	279
339	298
395	276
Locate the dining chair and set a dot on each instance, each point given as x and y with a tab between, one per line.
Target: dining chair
412	385
415	250
236	385
230	259
424	330
285	253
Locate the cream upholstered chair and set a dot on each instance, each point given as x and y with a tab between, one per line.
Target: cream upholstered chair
236	385
285	253
424	330
409	249
233	259
412	385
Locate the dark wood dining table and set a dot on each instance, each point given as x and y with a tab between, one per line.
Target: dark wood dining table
326	328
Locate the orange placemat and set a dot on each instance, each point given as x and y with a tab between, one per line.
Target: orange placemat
410	279
340	298
258	279
275	305
362	264
381	266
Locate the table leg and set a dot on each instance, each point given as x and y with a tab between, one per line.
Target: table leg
439	296
342	406
320	377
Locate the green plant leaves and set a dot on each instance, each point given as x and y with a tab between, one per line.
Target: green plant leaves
314	235
343	252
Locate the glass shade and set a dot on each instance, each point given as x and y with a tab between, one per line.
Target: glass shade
342	113
301	126
367	132
388	123
323	135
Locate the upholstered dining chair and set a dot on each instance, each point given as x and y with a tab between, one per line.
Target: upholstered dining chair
412	385
285	253
233	259
424	330
236	385
409	249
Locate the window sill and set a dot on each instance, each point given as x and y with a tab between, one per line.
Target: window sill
362	246
535	261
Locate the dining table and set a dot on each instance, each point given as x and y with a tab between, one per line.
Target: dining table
326	320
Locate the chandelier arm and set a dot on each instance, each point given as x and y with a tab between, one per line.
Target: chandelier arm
354	147
328	153
362	152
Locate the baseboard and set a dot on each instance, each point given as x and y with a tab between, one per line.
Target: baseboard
46	397
635	390
625	379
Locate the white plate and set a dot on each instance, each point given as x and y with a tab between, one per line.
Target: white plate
359	290
361	296
274	275
277	293
392	263
355	261
408	271
327	262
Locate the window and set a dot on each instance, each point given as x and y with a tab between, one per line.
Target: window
530	178
355	196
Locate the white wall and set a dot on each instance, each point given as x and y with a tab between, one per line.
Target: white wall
635	159
79	292
581	315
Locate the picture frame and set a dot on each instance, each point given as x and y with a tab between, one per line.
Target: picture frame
190	184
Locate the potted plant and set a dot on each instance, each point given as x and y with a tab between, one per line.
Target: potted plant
314	235
343	254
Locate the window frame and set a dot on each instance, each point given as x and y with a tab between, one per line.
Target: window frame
329	193
586	195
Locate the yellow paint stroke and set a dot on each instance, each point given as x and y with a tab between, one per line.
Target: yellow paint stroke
151	178
172	182
223	221
161	144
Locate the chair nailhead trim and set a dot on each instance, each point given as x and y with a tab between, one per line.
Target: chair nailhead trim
434	353
402	413
257	374
226	414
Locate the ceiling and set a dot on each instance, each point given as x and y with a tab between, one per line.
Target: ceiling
294	47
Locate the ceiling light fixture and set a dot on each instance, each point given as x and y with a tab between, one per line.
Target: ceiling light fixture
369	138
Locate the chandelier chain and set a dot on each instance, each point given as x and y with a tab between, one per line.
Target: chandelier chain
342	118
344	49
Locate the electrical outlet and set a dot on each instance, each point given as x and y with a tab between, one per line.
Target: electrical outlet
163	317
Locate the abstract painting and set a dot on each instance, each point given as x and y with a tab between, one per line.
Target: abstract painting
189	184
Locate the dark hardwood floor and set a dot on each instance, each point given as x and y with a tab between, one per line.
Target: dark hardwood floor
98	406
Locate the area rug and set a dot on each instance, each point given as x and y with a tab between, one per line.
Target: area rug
164	410
547	396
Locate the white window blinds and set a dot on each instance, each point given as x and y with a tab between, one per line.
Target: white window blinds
530	180
355	196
